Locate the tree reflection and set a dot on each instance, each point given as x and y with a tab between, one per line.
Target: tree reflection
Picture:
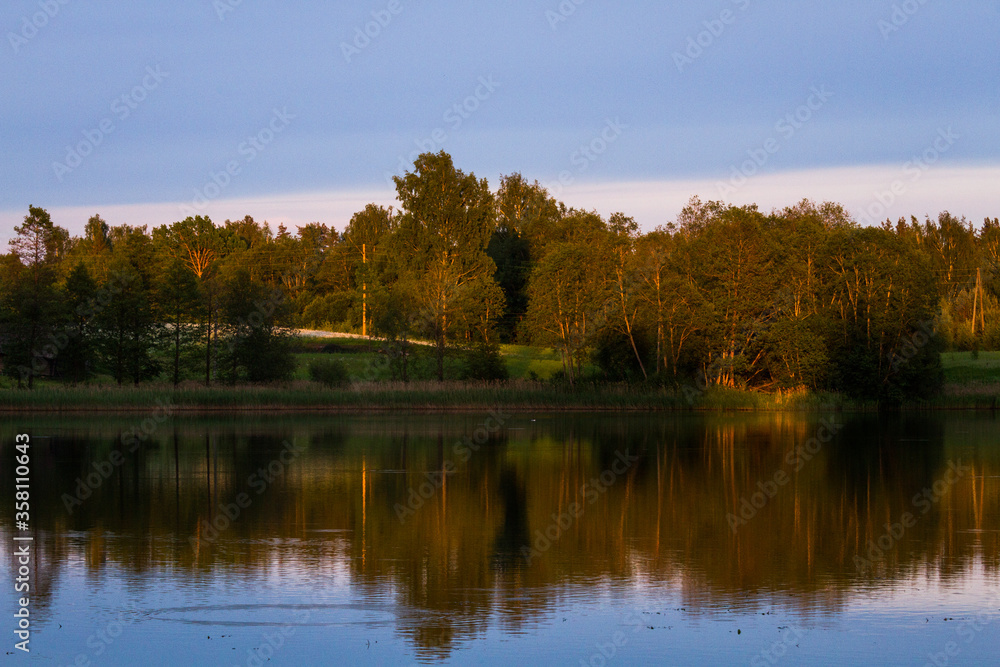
458	562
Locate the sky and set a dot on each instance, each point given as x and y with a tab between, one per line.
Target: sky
297	112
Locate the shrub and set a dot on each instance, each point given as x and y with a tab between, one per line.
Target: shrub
484	362
330	372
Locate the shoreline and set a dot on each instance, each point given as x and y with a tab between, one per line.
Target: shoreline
456	398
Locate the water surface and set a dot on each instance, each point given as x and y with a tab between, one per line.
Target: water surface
563	539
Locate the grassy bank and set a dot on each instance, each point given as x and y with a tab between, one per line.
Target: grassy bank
419	396
971	383
451	396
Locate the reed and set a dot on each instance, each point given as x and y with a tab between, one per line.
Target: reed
453	396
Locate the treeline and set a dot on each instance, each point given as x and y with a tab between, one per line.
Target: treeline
732	296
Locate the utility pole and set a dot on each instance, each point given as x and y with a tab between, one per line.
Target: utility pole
977	299
982	300
364	293
975	296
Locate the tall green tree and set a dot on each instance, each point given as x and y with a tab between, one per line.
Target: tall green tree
178	302
196	241
80	355
733	252
625	286
448	219
362	247
129	323
257	348
884	298
567	297
32	300
525	214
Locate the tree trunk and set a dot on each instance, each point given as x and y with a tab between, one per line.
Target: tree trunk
208	345
31	358
177	348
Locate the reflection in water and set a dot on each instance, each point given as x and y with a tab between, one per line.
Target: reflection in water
728	512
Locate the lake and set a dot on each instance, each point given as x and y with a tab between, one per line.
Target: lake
561	539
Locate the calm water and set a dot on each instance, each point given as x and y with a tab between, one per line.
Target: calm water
743	539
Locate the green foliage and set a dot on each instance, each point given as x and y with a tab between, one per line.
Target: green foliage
616	359
31	309
329	372
448	220
256	348
484	362
327	310
801	299
79	355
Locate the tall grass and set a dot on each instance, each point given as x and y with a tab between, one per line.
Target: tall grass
391	396
449	396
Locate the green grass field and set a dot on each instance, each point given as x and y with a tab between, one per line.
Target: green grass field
363	362
524	362
963	368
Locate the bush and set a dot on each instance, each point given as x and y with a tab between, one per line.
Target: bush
256	355
329	372
615	358
484	362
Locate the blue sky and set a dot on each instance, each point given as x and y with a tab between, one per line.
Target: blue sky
614	106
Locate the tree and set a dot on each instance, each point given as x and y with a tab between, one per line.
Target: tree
448	219
32	300
884	299
80	353
394	315
95	248
732	252
196	241
177	298
525	211
624	232
129	323
566	299
257	348
670	298
361	245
